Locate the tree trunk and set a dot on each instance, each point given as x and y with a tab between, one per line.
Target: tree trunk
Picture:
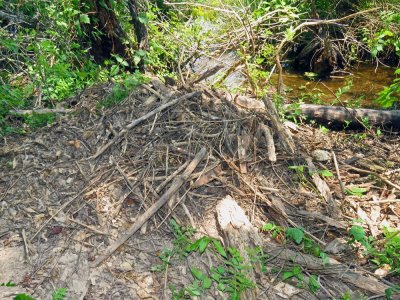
140	30
111	39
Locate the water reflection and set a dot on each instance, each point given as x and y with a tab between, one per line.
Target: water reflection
367	81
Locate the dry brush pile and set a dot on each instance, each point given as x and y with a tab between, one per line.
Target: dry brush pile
88	201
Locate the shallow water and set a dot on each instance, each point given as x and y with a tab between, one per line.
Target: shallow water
367	82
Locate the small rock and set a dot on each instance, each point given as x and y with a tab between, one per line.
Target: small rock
125	267
337	246
321	155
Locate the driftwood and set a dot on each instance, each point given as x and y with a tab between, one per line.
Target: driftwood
270	142
323	188
341	114
282	132
41	111
175	186
239	233
315	266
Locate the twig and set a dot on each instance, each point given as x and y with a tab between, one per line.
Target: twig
26	248
151	90
88	227
138	121
323	188
57	212
381	201
285	137
270	142
176	184
342	188
388	182
41	111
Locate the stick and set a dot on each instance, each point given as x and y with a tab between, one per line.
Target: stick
136	122
316	266
342	188
175	186
283	133
26	248
323	188
270	142
388	182
41	111
58	211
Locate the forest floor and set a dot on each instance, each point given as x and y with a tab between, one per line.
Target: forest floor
70	191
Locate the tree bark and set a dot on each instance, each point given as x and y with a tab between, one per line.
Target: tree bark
140	30
111	40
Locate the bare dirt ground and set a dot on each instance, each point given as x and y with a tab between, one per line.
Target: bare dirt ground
68	192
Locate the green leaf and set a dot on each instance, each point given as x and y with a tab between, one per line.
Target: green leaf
313	283
59	294
356	191
203	244
84	18
114	70
9	284
326	173
197	273
206	283
220	249
143	18
136	59
287	275
23	297
268	227
297	234
357	232
325	258
221	287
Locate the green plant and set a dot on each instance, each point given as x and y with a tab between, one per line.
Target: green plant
356	191
296	272
230	276
325	173
385	251
60	294
125	84
181	244
274	229
323	129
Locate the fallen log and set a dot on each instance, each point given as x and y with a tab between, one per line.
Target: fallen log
341	114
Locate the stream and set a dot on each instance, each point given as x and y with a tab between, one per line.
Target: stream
367	81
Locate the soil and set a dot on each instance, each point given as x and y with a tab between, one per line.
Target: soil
60	208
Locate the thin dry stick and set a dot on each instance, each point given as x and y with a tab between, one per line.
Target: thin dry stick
88	227
176	184
138	121
26	248
338	175
151	90
388	182
58	211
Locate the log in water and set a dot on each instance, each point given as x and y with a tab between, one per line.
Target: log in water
339	114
